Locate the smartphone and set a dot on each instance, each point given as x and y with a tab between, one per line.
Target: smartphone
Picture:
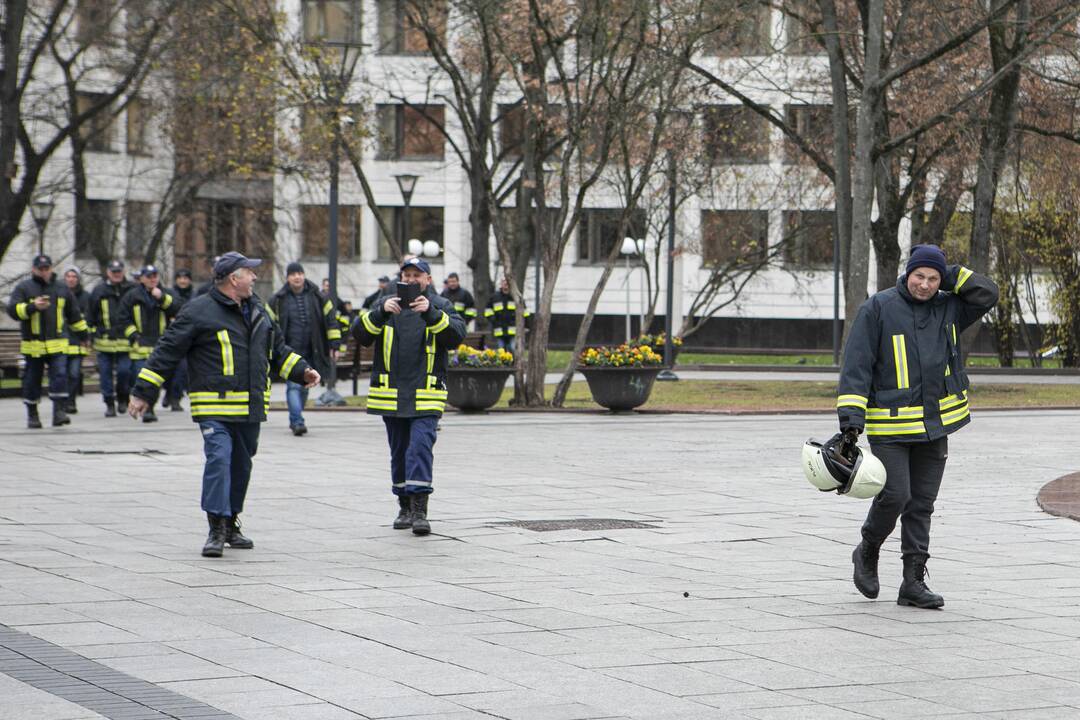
407	292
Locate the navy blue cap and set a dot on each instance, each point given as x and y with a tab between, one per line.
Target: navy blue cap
417	263
42	261
232	261
148	270
930	256
183	272
294	267
115	265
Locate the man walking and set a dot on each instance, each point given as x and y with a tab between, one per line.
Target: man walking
903	381
145	311
77	348
462	299
112	348
408	384
311	329
182	292
231	344
44	309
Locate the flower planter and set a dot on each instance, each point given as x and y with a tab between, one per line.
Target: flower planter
620	389
659	350
475	389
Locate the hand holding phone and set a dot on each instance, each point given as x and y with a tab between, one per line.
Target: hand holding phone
407	292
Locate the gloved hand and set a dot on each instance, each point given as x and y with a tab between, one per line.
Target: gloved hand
851	436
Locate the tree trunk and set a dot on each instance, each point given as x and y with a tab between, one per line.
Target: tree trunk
480	229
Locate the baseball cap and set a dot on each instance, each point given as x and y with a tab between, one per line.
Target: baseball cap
417	263
42	261
148	270
115	266
231	262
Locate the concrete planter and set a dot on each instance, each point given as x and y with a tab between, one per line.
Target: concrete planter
620	389
475	389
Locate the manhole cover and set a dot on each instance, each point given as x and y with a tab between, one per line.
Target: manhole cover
579	524
148	451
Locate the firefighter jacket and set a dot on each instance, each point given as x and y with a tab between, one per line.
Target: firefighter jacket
144	319
408	374
44	332
75	340
902	378
104	317
230	357
500	313
326	325
464	304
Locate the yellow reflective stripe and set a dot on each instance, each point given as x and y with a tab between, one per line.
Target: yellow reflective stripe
437	406
151	377
459	306
900	359
23	310
511	330
105	312
470	312
197	410
498	332
288	365
368	325
962	278
382	404
526	314
851	401
230	395
431	394
333	334
387	346
498	307
901	413
60	302
227	367
488	312
327	307
952	401
35	324
130	330
166	299
952	326
511	306
80	326
138	318
161	324
915	428
385	392
444	322
955	416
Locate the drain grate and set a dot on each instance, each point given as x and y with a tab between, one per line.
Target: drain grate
578	524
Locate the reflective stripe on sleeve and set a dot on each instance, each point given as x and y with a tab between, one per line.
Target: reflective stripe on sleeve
288	365
962	278
851	401
151	377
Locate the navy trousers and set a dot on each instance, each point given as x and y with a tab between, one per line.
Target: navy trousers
120	363
913	478
229	448
35	371
412	441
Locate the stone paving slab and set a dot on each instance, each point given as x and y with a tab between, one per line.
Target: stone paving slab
734	602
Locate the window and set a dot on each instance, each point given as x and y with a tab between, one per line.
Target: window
737	27
92	20
138	229
332	21
138	117
402	25
808	242
814	124
97	131
407	133
425	223
94	229
734	236
802	21
735	134
598	233
315	231
511	123
211	227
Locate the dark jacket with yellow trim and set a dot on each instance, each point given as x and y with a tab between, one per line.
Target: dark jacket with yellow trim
144	318
44	332
408	374
229	359
464	304
902	379
75	339
103	316
500	313
325	336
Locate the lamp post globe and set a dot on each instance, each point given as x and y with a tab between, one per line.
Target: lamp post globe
41	211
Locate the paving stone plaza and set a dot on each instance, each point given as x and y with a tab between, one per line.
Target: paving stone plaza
729	597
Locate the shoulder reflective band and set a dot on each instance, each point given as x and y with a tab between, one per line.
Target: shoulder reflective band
23	310
151	377
387	346
226	352
857	401
899	345
288	365
962	278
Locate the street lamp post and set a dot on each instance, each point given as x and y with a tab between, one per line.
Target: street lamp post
41	211
629	248
406	184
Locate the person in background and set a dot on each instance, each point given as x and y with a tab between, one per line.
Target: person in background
384	288
464	304
500	312
182	292
113	360
145	311
77	348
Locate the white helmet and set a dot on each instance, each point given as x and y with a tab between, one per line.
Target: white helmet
843	467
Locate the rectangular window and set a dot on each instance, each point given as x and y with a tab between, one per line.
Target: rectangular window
335	22
315	231
511	123
97	132
813	123
736	27
403	26
138	117
735	134
92	21
95	230
425	223
138	229
598	233
410	132
208	228
734	236
808	240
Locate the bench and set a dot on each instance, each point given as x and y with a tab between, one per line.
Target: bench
11	365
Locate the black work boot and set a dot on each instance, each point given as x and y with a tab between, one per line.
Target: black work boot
149	416
72	408
404	518
420	524
121	403
234	537
175	405
215	541
110	407
913	590
33	420
59	417
865	557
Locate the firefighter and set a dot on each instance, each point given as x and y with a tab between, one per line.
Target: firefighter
182	292
109	342
44	309
231	344
464	305
903	383
77	349
408	384
145	311
500	312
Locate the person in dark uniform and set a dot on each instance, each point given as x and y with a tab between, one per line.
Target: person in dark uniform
113	360
232	344
464	304
903	383
408	384
182	292
145	311
501	313
384	288
44	309
77	349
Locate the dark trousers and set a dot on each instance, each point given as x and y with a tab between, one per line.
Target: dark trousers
35	372
108	363
177	385
412	441
913	478
229	447
74	374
